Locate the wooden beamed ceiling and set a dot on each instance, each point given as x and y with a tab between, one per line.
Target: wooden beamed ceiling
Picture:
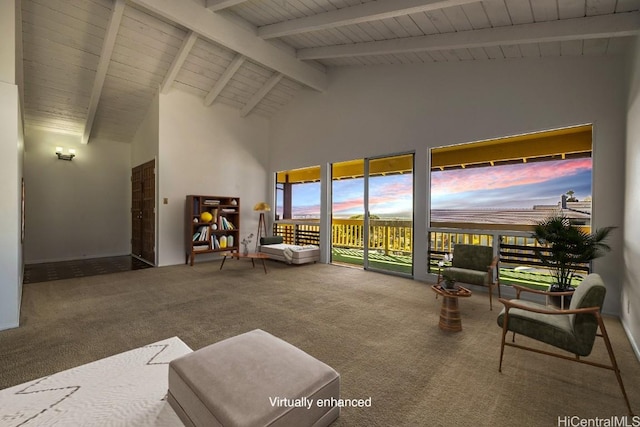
91	67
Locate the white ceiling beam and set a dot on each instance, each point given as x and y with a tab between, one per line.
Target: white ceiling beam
372	11
216	5
224	79
257	97
187	44
592	27
103	65
214	27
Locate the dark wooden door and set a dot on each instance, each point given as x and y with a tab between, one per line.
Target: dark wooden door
136	211
143	202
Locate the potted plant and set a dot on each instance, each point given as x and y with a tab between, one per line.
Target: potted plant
567	247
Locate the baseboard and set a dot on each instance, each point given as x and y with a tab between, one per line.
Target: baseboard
5	326
632	341
75	258
146	261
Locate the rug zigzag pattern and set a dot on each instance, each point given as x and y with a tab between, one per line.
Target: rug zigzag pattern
72	389
128	388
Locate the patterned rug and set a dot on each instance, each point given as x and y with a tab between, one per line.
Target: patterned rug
127	389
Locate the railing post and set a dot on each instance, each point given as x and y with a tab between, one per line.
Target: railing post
387	237
496	252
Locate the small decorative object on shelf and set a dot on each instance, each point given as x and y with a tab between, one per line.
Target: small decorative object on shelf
212	224
245	243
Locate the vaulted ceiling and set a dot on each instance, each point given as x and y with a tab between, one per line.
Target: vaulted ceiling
92	67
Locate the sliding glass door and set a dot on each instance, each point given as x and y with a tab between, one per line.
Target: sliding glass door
388	195
372	213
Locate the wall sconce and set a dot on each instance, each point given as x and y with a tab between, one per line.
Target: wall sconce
71	155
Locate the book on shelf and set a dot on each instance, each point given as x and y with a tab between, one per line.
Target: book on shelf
196	236
204	233
215	244
197	248
226	224
211	202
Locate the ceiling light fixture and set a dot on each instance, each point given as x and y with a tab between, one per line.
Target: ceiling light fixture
62	156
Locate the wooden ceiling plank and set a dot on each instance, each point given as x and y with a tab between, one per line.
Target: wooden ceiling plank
519	11
216	5
595	46
618	25
627	5
238	38
375	10
571	48
544	10
185	87
224	79
600	7
103	65
264	90
571	9
530	50
477	15
187	44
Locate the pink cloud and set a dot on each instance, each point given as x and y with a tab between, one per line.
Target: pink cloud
489	178
347	205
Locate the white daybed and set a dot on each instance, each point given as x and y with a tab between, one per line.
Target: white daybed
291	254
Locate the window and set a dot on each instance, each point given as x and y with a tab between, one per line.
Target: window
513	181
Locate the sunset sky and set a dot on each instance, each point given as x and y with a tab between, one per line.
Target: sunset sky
512	186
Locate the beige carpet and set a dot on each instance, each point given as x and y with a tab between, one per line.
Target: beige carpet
379	332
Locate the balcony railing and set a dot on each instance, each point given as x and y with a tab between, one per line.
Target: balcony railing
299	232
518	251
388	237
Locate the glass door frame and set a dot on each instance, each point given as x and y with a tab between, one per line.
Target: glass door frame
367	213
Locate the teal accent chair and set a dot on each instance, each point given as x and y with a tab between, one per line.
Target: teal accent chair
475	265
573	330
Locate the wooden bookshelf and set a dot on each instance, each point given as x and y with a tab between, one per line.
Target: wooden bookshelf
212	224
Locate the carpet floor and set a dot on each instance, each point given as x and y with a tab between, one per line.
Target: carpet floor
379	332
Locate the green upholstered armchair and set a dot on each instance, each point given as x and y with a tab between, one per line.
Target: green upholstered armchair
573	330
474	264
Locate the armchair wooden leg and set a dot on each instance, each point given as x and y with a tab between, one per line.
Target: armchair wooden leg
614	364
505	321
491	297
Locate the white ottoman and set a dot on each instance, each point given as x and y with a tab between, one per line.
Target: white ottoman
253	379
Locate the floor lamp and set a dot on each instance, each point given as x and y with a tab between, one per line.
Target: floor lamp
261	207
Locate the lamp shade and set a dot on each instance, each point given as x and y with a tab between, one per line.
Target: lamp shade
262	206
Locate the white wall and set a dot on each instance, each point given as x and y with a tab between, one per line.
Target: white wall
80	208
389	109
631	281
209	151
11	152
10	230
144	146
